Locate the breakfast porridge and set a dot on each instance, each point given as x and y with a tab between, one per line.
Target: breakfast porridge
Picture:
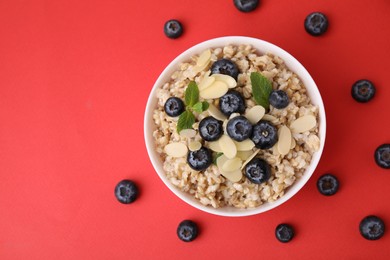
235	127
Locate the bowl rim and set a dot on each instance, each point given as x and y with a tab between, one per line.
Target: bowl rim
293	65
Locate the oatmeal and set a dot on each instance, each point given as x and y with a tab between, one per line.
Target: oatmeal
231	145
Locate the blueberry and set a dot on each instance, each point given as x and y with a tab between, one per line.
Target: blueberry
372	227
278	99
173	29
316	23
225	66
239	128
382	156
258	171
232	102
327	184
126	191
200	159
264	135
284	233
210	129
174	106
187	230
363	90
246	5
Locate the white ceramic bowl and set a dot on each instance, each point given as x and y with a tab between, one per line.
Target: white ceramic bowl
264	47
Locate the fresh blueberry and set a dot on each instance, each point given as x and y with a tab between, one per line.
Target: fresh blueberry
200	159
284	233
187	230
210	129
239	128
363	90
174	106
225	66
232	102
258	171
246	5
126	191
278	99
173	29
316	23
372	227
264	135
382	156
327	184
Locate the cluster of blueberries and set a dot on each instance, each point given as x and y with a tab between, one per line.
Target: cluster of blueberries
262	134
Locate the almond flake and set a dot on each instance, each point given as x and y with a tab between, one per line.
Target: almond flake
230	81
284	141
189	133
303	124
214	146
243	155
254	114
232	165
216	113
176	149
293	143
250	158
234	176
194	146
205	82
269	118
221	160
204	58
216	90
245	145
227	146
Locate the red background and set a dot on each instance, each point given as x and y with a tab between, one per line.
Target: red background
74	80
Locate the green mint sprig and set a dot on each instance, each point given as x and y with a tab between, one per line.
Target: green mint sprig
191	100
261	89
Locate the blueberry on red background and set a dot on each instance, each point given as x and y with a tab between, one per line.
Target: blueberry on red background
363	90
173	28
316	24
284	232
382	156
126	191
372	227
246	5
187	230
328	184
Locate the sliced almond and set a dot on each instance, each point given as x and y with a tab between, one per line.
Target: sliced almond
194	146
249	159
188	133
284	141
221	160
269	118
216	90
216	113
214	146
303	124
232	165
230	81
243	155
205	82
234	176
254	114
204	58
227	146
293	143
245	145
176	149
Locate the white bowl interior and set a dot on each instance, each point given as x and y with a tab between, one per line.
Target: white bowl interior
262	47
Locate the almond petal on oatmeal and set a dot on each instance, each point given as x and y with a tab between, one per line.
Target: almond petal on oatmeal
176	149
221	160
245	145
232	165
205	82
228	147
188	133
254	114
194	146
204	58
293	143
216	113
233	176
249	158
303	124
216	90
230	81
214	146
243	155
284	142
269	118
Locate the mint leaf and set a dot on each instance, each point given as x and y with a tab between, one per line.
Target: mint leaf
261	89
191	96
186	120
200	106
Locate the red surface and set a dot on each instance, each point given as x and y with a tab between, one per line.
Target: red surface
74	80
